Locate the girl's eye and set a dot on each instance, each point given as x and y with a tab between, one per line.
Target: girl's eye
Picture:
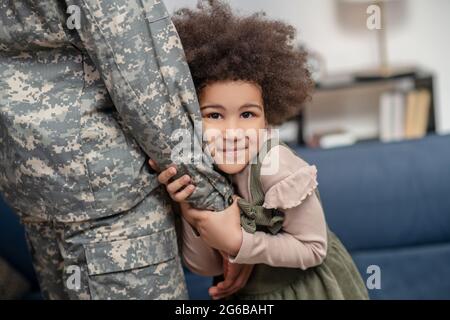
214	116
247	115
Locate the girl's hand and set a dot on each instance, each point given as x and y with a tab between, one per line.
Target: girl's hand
220	230
209	224
235	275
235	278
180	189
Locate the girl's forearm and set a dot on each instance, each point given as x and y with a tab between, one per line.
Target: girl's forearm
197	255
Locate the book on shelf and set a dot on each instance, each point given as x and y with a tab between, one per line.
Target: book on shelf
332	138
418	112
404	115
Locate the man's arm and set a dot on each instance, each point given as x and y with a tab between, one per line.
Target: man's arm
138	53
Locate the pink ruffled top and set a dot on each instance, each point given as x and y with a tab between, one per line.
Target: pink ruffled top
302	242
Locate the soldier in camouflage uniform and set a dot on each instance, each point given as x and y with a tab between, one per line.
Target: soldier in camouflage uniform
81	110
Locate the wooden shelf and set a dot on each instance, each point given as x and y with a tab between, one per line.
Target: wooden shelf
420	78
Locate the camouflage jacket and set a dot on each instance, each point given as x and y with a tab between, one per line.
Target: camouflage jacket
83	103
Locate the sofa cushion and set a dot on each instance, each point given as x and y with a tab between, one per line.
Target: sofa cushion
420	272
13	246
380	195
12	284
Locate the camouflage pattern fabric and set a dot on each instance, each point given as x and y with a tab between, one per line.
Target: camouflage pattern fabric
82	107
131	255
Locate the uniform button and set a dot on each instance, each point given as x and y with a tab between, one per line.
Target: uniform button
230	201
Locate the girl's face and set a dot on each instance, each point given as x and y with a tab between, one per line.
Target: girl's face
233	119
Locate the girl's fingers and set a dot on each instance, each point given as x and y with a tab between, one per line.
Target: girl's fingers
227	284
213	152
165	176
214	293
176	185
184	194
153	165
224	288
222	293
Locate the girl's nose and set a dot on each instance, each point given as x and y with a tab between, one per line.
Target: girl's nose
234	134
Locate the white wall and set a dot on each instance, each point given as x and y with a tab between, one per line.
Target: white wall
418	33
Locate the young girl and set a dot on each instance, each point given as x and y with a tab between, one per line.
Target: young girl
249	76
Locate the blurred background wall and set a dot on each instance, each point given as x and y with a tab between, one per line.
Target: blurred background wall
417	34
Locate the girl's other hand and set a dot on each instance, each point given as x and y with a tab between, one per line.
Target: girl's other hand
235	278
180	189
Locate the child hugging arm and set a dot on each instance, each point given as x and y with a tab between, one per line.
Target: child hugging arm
250	77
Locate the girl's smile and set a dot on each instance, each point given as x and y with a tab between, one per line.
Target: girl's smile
233	116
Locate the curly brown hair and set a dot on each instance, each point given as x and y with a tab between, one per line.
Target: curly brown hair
221	45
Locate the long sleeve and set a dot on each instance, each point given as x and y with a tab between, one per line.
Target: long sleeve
197	255
302	242
137	51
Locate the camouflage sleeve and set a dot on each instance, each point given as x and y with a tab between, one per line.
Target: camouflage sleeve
138	53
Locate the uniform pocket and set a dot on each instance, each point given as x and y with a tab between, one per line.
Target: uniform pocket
147	267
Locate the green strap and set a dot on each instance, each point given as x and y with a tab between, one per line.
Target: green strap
254	217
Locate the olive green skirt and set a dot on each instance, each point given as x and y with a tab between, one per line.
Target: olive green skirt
337	278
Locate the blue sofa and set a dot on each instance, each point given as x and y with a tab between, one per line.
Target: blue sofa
13	249
389	204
